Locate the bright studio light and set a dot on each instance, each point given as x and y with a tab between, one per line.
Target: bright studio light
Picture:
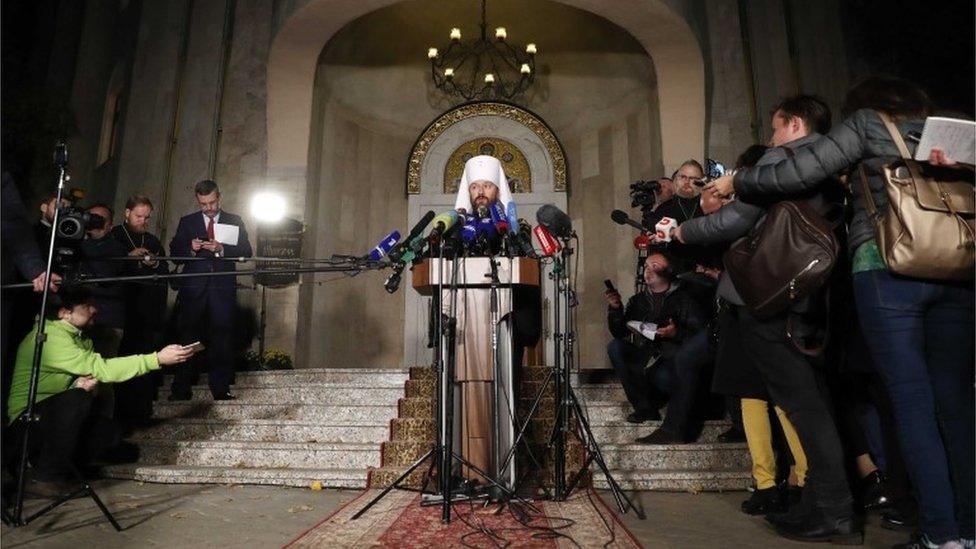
268	207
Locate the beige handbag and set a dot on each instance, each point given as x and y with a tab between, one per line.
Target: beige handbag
927	231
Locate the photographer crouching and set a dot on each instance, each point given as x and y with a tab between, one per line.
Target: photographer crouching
68	430
667	354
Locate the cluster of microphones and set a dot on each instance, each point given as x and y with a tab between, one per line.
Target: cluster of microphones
488	231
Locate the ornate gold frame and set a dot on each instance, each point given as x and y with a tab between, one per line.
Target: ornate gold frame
486	108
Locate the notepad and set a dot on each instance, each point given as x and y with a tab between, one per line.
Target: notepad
955	136
226	234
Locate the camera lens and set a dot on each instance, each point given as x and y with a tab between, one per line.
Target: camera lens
70	227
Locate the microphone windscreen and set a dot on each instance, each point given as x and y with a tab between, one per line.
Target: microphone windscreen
619	217
554	219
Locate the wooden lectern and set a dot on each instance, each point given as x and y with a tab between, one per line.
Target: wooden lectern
485	407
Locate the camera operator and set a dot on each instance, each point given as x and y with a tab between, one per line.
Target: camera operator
70	371
42	230
679	350
96	250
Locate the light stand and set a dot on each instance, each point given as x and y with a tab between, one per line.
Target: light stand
61	162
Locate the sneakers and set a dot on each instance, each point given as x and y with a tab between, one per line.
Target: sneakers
761	502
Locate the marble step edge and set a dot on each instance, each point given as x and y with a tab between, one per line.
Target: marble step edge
313	371
266	422
261	445
676	480
189	474
239	403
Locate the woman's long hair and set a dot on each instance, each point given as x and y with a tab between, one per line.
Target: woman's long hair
896	97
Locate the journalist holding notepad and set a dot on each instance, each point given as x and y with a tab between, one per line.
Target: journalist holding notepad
205	305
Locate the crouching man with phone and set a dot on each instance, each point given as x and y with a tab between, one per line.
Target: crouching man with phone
659	349
67	432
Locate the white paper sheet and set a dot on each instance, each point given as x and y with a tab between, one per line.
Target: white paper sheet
954	136
226	234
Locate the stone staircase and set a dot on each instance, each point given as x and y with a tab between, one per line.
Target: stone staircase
352	427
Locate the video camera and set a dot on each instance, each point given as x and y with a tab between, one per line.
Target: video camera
73	222
643	194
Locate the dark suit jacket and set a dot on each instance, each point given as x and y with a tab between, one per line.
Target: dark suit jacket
192	226
19	247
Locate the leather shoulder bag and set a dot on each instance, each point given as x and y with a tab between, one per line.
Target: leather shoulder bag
927	230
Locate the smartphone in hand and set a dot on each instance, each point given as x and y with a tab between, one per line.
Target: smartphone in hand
196	347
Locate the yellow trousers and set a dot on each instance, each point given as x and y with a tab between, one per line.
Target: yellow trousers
759	436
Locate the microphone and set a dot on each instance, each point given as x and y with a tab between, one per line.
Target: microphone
499	219
621	218
556	220
642	242
512	215
415	232
441	223
384	246
469	235
547	242
524	238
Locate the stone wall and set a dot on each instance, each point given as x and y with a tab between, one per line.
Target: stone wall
597	89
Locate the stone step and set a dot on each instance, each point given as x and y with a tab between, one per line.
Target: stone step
248	454
674	480
348	414
186	474
264	430
373	376
697	456
416	407
625	433
310	393
381	477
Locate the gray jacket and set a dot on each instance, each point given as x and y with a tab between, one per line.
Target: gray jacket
737	218
862	138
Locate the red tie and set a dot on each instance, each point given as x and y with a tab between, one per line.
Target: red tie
210	233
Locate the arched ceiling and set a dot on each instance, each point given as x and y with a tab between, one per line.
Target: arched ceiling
305	27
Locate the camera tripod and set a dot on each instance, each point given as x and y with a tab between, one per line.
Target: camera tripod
567	404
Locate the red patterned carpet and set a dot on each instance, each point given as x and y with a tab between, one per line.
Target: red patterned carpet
398	520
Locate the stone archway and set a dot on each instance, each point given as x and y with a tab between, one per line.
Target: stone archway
303	32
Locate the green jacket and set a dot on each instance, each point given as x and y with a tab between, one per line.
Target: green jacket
68	355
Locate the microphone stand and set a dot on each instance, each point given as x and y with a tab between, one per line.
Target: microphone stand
568	402
18	519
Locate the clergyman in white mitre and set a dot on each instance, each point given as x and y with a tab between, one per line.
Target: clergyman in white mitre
482	183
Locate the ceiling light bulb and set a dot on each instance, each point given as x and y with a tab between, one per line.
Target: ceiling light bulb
489	78
530	49
525	68
449	73
455	33
500	33
432	53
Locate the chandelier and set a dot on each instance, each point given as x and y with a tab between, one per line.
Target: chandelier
487	68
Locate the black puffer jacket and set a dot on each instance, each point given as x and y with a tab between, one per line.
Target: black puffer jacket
862	138
677	305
